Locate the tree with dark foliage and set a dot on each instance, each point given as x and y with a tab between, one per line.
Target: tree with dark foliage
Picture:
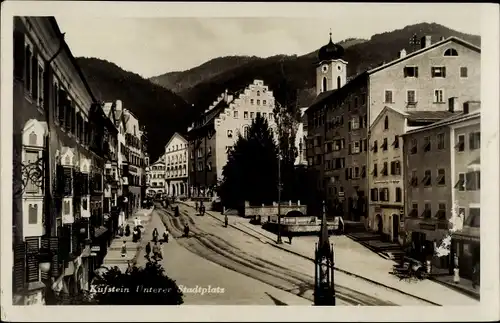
251	171
138	286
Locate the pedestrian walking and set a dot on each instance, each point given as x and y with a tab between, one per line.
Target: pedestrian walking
160	251
196	206
127	230
155	235
124	248
148	250
156	251
165	235
137	222
226	221
290	236
186	230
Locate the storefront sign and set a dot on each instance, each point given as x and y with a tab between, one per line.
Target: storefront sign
427	226
95	249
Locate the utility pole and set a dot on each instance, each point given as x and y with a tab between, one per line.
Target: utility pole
279	241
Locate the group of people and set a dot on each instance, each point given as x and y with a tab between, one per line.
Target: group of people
156	249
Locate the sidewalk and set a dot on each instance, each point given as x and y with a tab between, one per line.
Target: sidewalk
113	256
353	259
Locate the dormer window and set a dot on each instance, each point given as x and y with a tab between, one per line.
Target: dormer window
451	52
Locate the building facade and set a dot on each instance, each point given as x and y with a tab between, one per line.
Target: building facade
465	171
58	162
301	139
385	162
135	157
341	114
430	182
177	166
213	135
155	178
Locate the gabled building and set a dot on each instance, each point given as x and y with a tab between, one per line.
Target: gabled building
176	166
340	116
385	165
214	134
155	177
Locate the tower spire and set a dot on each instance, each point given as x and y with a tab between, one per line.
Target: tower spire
330	35
324	243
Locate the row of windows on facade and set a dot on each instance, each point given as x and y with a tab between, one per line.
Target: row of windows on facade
470	181
200	167
265	115
353	148
435	71
132	141
135	160
385	144
355	122
474	142
411	97
177	159
177	172
395	169
134	180
318	117
160	175
159	167
65	112
177	147
473	219
199	153
382	195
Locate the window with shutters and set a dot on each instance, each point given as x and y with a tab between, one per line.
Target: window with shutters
473	181
413	146
399	195
355	123
30	158
475	140
411	96
356	147
440	141
388	96
427	213
427	143
438	71
384	144
410	71
375	146
32	266
439	96
384	194
474	218
460	146
33	214
356	172
427	180
28	63
40	82
385	170
395	143
375	170
441	180
374	194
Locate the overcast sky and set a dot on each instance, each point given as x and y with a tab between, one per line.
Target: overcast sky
151	46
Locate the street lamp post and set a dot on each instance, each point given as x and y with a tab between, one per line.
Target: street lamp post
279	241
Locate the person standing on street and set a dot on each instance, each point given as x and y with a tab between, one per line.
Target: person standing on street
124	248
156	251
290	236
148	250
165	235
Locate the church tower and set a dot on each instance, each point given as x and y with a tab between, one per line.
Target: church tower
331	71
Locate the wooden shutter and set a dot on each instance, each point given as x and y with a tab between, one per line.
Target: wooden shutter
416	71
34	76
62	103
349	149
53	247
19	54
444	71
63	242
347	173
68	181
405	72
32	251
45	246
19	266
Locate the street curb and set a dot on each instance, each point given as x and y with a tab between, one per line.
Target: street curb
457	289
336	268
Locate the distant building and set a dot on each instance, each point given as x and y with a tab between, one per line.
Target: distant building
341	114
155	177
385	164
135	157
177	166
213	135
442	180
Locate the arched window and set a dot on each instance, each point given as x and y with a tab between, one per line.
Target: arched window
324	84
339	82
386	123
451	52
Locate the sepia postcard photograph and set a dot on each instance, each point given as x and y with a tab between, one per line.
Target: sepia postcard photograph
228	158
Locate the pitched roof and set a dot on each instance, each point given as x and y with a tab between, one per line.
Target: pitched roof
451	120
423	50
428	115
322	96
212	114
173	136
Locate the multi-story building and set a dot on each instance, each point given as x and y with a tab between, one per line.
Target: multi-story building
216	131
340	115
155	177
385	160
133	143
58	162
435	170
176	166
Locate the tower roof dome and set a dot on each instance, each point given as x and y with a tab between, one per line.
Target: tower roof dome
330	51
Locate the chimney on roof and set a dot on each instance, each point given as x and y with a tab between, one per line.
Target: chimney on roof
471	106
441	38
402	53
426	41
453	104
225	95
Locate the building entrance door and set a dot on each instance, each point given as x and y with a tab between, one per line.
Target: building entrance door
395	227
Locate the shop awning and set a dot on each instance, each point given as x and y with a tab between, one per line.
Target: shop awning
475	165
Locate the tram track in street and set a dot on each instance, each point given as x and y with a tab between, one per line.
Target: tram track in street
218	250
